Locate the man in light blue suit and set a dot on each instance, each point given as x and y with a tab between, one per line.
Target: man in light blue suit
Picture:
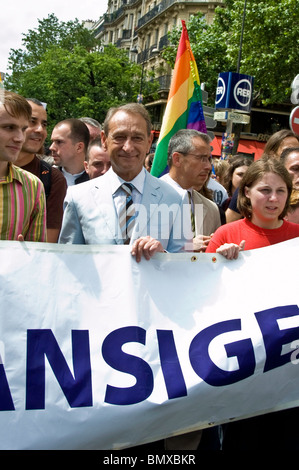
92	209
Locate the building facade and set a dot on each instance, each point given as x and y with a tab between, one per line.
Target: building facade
141	27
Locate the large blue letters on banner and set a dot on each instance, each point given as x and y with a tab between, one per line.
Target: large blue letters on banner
78	389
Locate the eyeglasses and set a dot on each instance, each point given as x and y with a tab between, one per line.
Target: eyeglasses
202	158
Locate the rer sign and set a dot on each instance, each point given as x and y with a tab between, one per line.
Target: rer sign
234	91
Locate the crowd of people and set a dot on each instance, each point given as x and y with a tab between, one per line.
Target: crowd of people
93	186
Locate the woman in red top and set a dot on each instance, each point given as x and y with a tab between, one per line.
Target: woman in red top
263	200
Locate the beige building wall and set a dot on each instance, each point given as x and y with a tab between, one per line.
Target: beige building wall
142	26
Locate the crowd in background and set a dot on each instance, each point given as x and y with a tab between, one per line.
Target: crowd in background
58	195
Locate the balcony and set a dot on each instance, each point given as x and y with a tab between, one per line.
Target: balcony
163	42
154	12
99	30
146	54
126	35
162	6
111	17
164	82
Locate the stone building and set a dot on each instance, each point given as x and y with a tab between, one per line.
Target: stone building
141	27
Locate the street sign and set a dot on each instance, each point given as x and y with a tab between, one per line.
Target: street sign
204	96
294	120
220	116
208	114
210	123
238	118
234	91
208	110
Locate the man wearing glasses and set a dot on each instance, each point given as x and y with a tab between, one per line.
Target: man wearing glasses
189	162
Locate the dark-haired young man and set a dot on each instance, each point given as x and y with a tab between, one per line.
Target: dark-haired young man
70	139
54	181
22	195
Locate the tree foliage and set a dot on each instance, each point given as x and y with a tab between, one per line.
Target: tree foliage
270	49
62	65
49	33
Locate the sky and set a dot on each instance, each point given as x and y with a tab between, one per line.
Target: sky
18	16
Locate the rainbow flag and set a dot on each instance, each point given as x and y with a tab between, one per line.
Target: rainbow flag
184	105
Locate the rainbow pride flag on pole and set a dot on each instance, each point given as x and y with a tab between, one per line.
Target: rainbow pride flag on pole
184	105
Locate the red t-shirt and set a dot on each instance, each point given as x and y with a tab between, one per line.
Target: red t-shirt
254	236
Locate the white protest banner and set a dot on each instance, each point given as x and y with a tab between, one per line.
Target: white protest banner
101	352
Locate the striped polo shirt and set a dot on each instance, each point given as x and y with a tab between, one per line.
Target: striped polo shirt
22	206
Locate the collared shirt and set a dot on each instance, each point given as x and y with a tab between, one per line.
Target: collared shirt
167	178
22	206
179	188
119	195
71	179
173	183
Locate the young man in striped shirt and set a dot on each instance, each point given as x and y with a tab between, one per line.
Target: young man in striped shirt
22	196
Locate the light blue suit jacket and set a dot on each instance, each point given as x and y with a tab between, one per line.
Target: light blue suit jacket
90	216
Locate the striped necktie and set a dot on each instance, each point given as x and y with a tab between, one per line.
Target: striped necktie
191	212
127	214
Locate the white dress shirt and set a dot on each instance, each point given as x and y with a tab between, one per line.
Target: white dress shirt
119	195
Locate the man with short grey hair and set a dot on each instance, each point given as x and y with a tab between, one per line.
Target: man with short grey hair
123	206
189	162
94	127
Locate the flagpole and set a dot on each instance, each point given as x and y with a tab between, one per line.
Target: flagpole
241	38
184	104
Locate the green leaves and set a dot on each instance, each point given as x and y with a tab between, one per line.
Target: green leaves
270	48
61	65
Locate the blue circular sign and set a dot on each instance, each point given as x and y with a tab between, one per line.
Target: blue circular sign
243	92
